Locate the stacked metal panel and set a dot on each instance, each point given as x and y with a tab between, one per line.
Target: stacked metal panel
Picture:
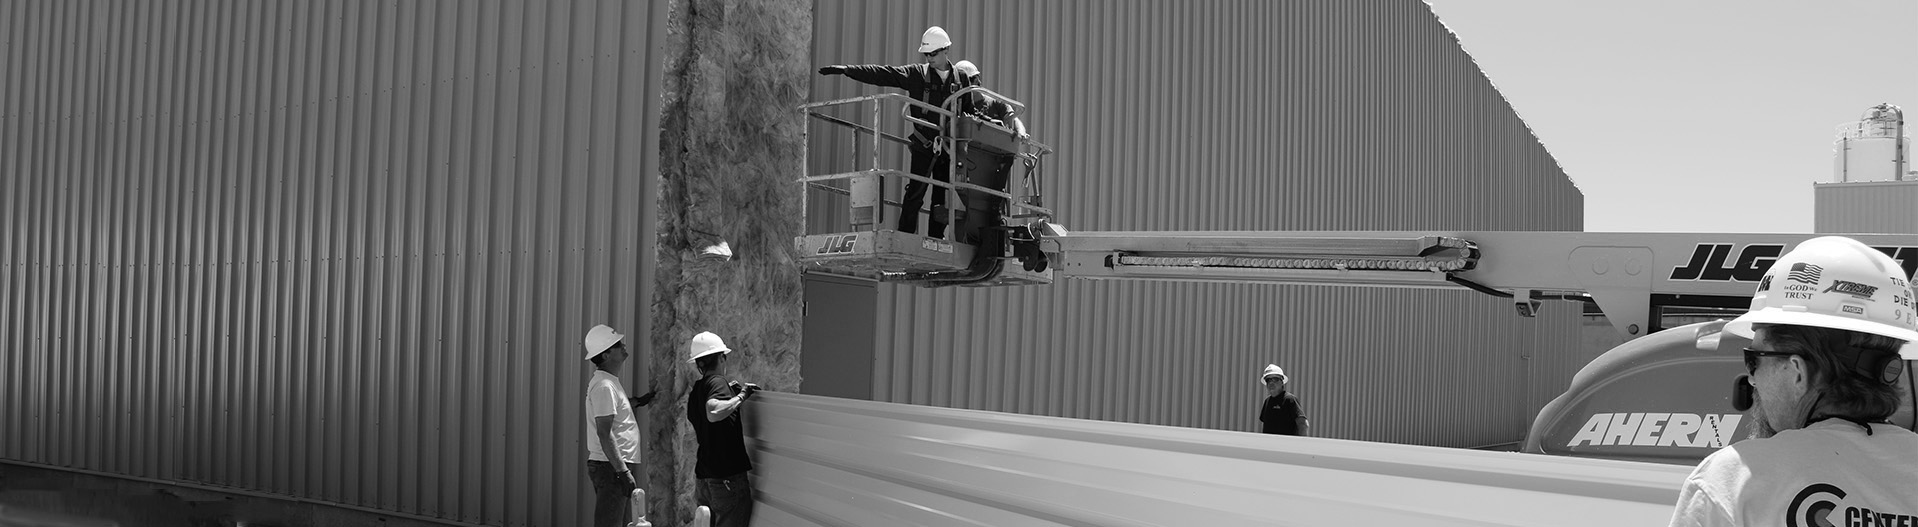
1308	115
334	250
823	461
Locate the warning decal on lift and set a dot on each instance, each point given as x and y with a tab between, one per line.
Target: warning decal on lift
1658	429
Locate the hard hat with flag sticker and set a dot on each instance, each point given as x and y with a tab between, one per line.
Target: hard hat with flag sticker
1839	283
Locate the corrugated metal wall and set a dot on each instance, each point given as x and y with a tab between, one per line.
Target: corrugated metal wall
1308	115
336	250
1889	207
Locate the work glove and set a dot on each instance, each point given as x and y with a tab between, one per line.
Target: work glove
643	400
832	70
745	389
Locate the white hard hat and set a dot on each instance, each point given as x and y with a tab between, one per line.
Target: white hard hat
966	68
599	339
1835	282
706	343
935	39
1271	370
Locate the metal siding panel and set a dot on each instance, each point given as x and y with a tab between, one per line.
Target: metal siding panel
12	365
287	234
826	458
1362	116
1869	207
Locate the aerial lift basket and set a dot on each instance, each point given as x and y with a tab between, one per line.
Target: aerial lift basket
994	198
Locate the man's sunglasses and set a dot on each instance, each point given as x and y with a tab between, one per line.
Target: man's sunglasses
934	53
1752	355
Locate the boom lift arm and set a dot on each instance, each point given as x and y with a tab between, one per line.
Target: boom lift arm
996	177
1626	274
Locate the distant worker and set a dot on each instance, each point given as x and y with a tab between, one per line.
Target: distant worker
611	428
930	82
713	409
1826	327
1281	413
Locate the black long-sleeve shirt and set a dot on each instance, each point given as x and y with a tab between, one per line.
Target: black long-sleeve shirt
920	81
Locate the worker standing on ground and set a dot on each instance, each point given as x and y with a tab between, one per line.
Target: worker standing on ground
1827	324
1281	413
611	429
713	409
931	82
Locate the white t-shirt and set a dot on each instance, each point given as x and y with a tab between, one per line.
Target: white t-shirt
1830	470
606	396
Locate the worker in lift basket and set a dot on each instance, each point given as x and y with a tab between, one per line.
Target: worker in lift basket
931	81
986	106
980	220
1828	324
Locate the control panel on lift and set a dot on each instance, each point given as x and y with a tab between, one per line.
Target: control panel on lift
993	194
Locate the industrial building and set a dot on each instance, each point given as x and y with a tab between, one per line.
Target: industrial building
339	254
1872	182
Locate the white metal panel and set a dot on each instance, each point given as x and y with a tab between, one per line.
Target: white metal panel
829	462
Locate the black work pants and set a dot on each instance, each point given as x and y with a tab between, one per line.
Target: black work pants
936	166
729	498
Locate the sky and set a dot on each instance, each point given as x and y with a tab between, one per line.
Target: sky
1693	115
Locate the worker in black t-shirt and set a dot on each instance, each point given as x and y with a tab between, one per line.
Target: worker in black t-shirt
713	405
1281	413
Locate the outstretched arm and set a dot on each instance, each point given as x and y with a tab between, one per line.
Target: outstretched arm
876	75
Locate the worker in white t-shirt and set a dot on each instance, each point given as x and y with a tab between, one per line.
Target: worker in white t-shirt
611	428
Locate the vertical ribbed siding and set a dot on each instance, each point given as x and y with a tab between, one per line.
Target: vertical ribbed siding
334	250
1316	115
1888	207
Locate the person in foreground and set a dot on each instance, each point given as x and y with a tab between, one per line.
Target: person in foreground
1828	324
